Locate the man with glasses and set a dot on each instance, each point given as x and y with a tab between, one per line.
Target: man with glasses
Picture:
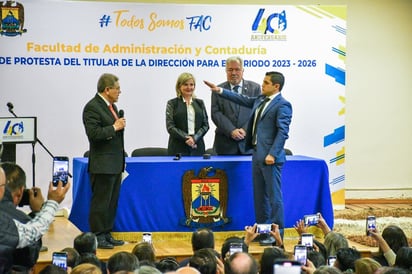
104	129
230	118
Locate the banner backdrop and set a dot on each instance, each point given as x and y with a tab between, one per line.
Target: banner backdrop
53	52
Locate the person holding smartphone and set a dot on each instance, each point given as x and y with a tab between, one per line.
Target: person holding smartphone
15	234
104	129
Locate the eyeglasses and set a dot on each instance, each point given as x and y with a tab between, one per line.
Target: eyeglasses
233	70
116	88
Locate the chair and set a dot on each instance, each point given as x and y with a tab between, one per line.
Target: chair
149	151
288	151
210	151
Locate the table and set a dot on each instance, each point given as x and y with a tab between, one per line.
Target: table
151	194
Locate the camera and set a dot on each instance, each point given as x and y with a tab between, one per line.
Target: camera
370	224
60	170
263	228
282	266
311	219
25	199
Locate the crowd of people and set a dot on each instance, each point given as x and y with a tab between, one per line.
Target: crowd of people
233	257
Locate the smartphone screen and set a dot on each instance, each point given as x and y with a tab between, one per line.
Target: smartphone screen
370	223
307	239
235	248
60	259
60	169
300	253
312	219
286	267
331	260
147	237
264	228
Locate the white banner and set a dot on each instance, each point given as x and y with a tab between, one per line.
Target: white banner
53	52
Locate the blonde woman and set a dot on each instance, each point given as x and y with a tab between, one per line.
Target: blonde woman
186	119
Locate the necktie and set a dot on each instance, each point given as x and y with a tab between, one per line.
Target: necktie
113	112
236	89
260	110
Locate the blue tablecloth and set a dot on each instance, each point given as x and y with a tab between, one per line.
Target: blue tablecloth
151	195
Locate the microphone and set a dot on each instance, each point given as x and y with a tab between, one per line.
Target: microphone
10	106
121	113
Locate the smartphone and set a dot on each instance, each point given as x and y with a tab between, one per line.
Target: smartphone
311	219
60	169
331	260
286	267
307	239
60	259
263	228
147	237
235	248
300	253
370	224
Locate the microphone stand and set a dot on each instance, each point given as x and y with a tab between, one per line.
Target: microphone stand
33	155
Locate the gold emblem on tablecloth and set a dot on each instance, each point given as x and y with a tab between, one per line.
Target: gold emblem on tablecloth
205	197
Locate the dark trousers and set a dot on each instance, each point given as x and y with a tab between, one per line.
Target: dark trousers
103	206
267	193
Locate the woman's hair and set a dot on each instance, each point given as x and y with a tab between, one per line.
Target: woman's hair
395	237
268	258
404	258
366	266
183	78
333	242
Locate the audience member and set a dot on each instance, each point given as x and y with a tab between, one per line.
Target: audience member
85	242
241	263
92	259
87	268
168	264
268	258
316	257
301	228
73	257
325	269
187	270
122	261
404	258
204	260
147	269
229	245
391	270
144	251
201	238
52	269
274	236
366	266
14	191
345	259
15	234
391	240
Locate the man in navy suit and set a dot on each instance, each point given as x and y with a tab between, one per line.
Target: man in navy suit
230	118
266	135
104	128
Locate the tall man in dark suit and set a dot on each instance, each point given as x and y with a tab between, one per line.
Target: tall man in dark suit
267	132
230	118
104	129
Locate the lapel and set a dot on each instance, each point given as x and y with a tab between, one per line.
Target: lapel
105	107
270	106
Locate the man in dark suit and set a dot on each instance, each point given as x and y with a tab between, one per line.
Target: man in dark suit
104	128
230	118
267	132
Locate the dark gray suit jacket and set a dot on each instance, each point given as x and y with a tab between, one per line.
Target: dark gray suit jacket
227	116
106	145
